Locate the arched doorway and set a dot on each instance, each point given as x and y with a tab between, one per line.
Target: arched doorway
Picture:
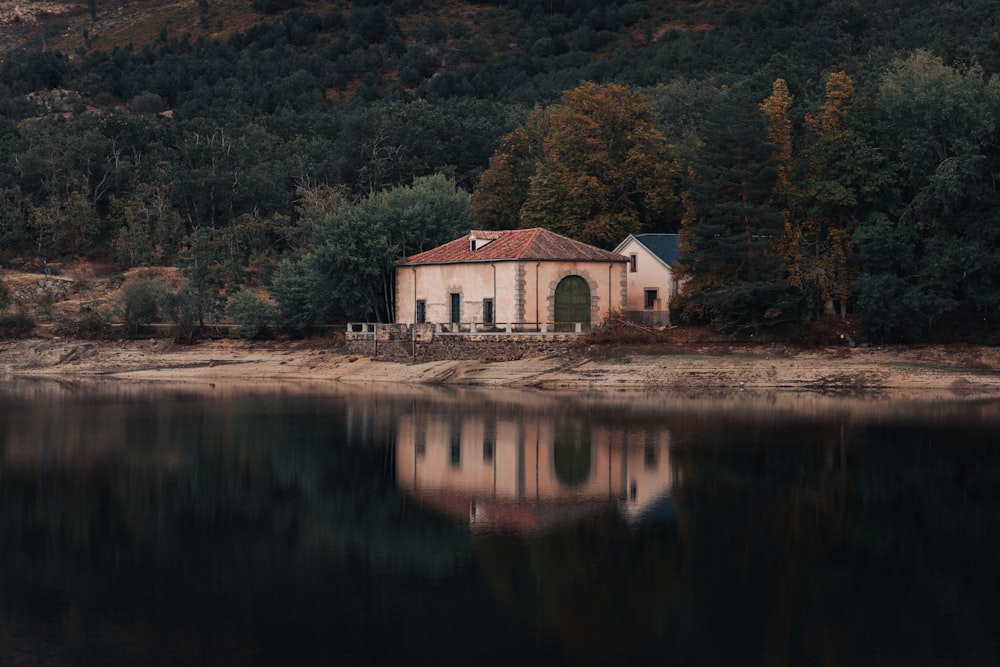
573	301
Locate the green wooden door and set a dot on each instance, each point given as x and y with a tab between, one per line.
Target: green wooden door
573	300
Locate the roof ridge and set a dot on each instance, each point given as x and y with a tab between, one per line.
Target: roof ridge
536	243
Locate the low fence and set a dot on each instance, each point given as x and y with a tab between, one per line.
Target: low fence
443	328
459	340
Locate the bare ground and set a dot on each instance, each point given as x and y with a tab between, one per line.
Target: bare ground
689	364
924	372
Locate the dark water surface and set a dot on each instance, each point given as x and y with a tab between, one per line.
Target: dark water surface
154	525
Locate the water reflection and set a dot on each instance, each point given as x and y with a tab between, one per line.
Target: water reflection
201	525
529	471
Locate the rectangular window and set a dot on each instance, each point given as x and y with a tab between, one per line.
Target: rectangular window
488	311
421	311
456	308
633	263
650	299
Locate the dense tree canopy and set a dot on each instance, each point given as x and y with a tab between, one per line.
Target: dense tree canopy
733	231
939	127
812	154
595	167
349	269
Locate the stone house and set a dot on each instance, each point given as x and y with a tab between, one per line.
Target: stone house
529	279
651	283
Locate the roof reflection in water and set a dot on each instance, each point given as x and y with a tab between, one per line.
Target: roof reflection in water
528	472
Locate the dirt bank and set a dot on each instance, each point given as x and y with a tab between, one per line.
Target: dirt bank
690	361
957	372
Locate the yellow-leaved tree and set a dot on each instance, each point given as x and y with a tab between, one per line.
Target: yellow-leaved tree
595	167
840	175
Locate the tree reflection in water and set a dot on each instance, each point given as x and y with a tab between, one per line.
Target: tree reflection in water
214	527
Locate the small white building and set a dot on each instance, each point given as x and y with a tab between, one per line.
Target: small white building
651	283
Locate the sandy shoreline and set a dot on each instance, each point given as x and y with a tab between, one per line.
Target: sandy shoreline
911	372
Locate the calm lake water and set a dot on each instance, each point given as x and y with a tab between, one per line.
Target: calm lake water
166	525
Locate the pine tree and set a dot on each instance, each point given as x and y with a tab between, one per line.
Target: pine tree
732	233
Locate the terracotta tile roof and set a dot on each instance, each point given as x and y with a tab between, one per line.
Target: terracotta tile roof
513	244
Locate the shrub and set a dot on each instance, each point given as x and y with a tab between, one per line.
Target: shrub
4	297
16	325
147	102
251	312
141	299
182	309
95	325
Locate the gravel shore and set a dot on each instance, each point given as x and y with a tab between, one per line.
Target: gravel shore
888	373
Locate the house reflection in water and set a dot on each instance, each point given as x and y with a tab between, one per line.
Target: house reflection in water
528	473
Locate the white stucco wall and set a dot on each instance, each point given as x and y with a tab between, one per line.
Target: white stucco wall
650	273
522	291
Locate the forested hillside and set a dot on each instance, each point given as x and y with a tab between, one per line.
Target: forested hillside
817	157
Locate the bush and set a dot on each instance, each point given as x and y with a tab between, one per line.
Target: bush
182	309
141	299
147	102
94	325
16	325
4	297
252	313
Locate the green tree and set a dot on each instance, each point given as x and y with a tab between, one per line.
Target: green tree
504	186
292	290
221	170
66	225
388	143
939	126
141	299
184	310
732	234
4	297
349	272
14	210
251	312
204	267
843	182
149	228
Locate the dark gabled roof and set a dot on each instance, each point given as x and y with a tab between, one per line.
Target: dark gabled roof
513	244
664	246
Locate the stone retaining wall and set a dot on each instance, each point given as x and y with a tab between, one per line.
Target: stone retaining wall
394	342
